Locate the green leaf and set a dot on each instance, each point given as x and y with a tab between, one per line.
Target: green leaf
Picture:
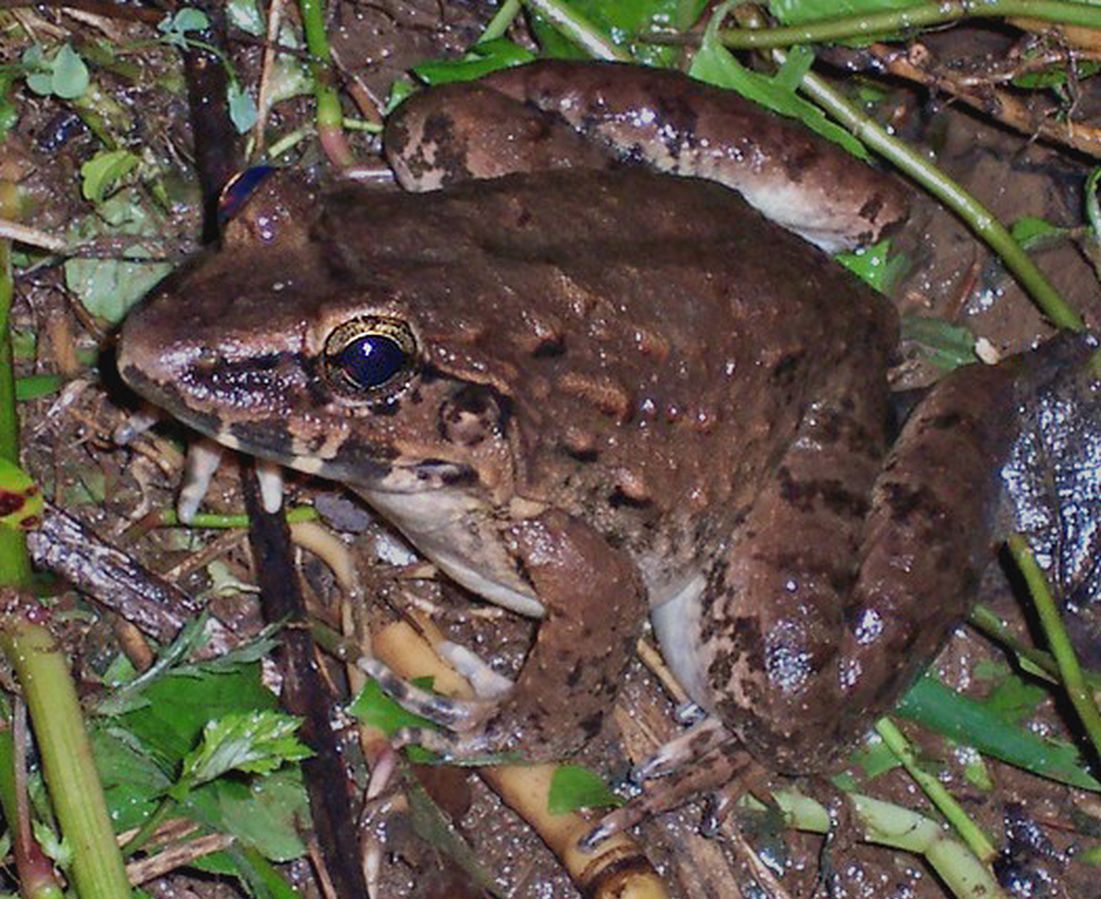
39	73
33	387
262	878
242	108
9	114
246	15
948	346
715	64
190	19
109	287
20	499
573	787
1035	233
1056	75
176	26
268	813
873	758
975	771
975	723
133	783
1014	698
179	707
103	171
481	59
375	709
64	74
400	89
257	742
70	74
873	265
623	21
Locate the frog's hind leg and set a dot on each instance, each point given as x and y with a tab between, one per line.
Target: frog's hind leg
770	617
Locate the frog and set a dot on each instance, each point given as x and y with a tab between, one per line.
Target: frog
593	384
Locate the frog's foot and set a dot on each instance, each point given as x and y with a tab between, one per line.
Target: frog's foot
726	766
480	747
455	714
684	749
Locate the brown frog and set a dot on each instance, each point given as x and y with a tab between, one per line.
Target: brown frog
589	390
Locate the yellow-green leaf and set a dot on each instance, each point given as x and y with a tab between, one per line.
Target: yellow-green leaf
20	499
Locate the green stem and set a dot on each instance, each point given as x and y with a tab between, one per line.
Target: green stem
36	871
974	214
330	116
1042	663
169	518
156	819
1058	641
946	803
501	21
900	828
43	671
917	16
75	791
579	30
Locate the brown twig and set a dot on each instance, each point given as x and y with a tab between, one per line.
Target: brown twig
99	7
263	99
65	546
916	64
217	155
303	694
177	855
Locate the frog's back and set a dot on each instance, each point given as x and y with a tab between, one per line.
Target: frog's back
657	339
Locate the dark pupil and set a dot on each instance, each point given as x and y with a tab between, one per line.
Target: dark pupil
372	360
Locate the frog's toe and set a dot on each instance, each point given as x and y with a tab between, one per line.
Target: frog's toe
480	747
203	458
689	713
454	714
753	778
486	683
680	752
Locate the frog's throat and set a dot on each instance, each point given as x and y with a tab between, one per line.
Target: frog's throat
459	533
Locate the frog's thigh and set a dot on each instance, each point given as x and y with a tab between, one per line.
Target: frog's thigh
771	615
595	609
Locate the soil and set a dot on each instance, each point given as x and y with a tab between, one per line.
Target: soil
69	449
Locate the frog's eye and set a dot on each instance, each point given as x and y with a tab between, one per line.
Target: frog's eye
370	357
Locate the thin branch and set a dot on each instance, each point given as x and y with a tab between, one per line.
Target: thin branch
99	7
1000	105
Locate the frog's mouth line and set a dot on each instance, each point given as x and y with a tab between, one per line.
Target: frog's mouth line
354	463
167	396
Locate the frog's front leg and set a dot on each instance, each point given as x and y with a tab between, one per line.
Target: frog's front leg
594	611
